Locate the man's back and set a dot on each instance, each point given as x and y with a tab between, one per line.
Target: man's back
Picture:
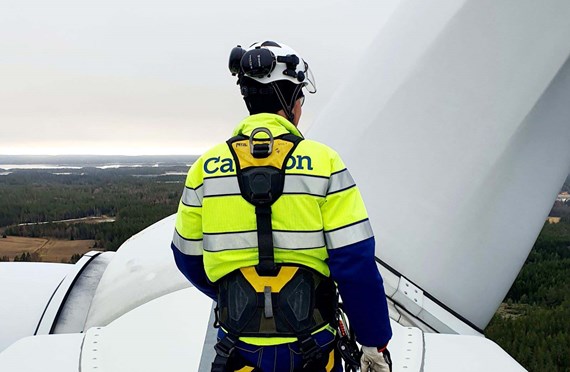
268	222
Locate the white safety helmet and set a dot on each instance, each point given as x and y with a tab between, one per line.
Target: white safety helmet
268	61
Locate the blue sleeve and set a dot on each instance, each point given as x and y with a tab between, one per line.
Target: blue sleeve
360	285
193	269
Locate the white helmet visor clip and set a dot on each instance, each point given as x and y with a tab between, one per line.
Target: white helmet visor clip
310	83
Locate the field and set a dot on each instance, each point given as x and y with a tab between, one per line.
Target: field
553	219
49	250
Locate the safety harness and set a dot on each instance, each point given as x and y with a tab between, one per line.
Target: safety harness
269	299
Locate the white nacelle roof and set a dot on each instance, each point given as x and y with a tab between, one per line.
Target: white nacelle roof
466	354
26	289
59	353
170	333
172	341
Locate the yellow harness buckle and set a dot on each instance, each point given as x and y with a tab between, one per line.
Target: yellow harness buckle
276	283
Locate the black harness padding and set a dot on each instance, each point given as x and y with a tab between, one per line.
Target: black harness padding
305	304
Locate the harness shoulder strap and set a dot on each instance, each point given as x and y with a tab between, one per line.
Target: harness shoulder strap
260	166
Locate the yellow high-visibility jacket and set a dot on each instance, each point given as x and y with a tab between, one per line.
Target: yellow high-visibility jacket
320	207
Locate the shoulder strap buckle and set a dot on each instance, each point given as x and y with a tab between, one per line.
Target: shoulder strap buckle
225	346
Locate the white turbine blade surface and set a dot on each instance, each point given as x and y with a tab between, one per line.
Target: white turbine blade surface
455	127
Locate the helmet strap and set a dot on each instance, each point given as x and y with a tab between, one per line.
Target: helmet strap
287	107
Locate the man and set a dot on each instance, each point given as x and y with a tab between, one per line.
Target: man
269	222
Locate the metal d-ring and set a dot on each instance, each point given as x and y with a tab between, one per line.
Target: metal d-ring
252	137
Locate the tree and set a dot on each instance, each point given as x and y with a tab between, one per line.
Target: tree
27	257
76	257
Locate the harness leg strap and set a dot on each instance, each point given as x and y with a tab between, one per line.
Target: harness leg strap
224	351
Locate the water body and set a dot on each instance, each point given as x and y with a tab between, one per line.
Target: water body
9	170
73	166
162	174
36	166
52	166
9	162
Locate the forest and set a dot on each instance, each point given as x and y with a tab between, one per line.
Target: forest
532	324
135	197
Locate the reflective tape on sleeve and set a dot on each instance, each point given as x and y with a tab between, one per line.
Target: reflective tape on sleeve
190	247
193	197
248	239
350	234
221	186
340	181
302	184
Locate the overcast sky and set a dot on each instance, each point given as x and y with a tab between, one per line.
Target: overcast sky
151	77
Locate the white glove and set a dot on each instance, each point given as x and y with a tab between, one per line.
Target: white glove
373	360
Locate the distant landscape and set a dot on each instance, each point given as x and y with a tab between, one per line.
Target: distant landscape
533	323
95	160
97	202
76	204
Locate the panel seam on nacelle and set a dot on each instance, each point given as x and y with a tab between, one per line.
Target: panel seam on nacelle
47	306
67	293
428	296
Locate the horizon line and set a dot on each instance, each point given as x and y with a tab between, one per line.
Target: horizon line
91	154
